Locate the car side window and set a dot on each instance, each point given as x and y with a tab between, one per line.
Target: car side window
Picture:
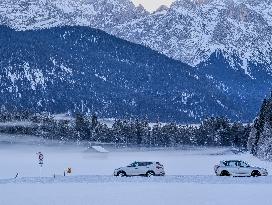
145	163
141	164
238	164
243	164
226	163
134	164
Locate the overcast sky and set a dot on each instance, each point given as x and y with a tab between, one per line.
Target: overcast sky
152	5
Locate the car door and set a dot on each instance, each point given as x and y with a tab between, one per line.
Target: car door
135	169
244	169
142	168
132	169
233	168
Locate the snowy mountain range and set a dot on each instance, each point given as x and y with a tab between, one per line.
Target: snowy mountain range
190	30
103	14
227	42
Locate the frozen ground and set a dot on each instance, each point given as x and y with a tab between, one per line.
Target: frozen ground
190	178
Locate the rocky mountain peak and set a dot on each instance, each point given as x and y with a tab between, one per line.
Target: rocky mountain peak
162	8
189	31
193	30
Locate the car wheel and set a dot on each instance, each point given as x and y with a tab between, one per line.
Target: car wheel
224	173
255	173
121	174
150	173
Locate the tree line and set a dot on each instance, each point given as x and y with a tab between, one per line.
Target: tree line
260	138
214	131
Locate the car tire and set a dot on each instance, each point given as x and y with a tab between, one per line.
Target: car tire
150	174
121	174
225	173
255	173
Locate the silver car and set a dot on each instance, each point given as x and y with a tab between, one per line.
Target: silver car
238	168
141	169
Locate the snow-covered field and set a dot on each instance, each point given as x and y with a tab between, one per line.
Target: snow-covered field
190	177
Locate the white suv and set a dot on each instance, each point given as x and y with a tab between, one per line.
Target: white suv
141	169
238	168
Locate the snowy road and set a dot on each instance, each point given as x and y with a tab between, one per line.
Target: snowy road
187	179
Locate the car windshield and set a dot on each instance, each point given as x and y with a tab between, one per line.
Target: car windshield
244	164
